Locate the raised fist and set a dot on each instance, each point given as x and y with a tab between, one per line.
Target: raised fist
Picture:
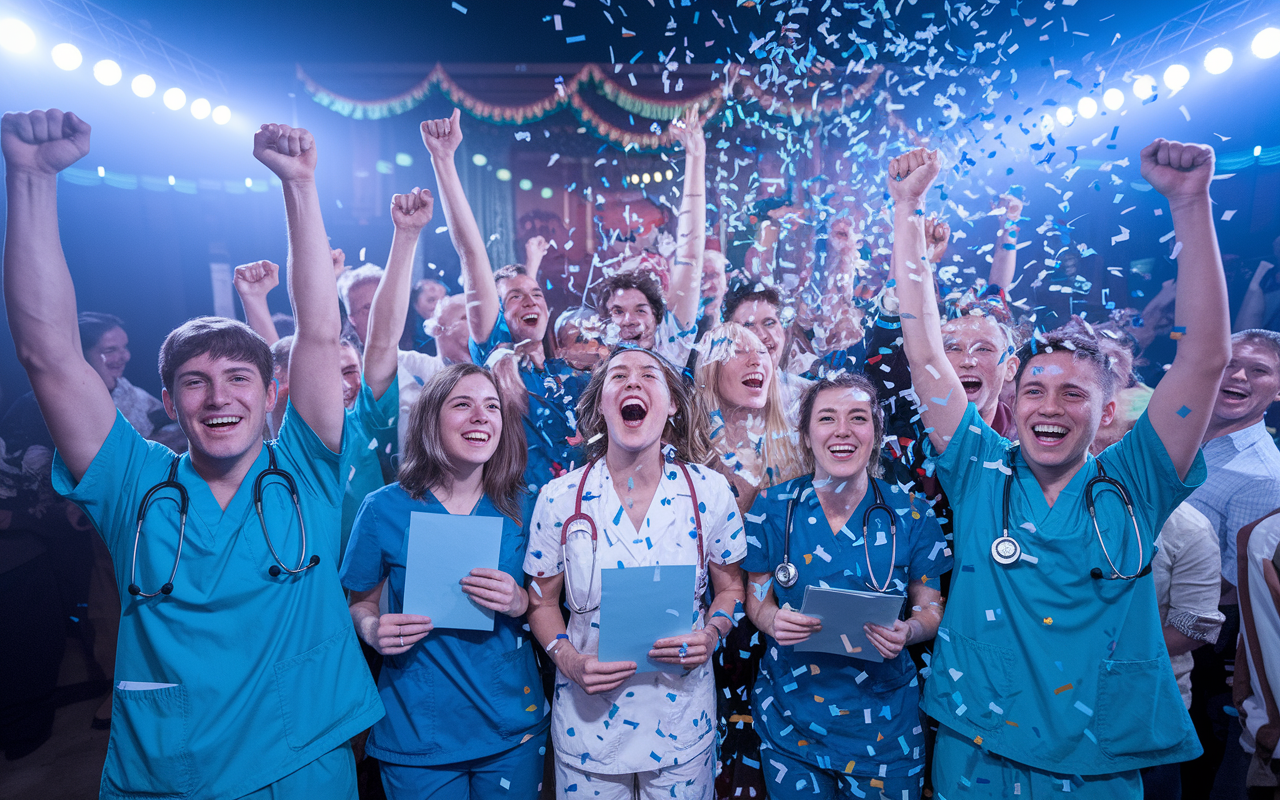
256	279
1012	206
45	142
911	175
1178	170
442	136
339	259
688	132
410	212
536	249
937	235
288	152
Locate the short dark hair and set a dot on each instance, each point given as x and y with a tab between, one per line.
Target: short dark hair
844	380
747	293
220	338
1261	337
93	326
1081	347
508	272
642	282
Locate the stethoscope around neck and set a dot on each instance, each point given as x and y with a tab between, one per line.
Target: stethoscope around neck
786	573
183	501
1006	550
581	522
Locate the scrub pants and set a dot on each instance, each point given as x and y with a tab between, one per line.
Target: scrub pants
514	773
963	770
790	778
329	777
692	781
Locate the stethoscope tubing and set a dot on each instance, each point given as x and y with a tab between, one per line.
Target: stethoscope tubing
786	573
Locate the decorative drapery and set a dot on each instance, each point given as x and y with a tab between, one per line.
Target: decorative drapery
571	94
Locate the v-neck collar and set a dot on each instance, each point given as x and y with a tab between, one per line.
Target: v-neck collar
205	506
430	498
657	518
1031	489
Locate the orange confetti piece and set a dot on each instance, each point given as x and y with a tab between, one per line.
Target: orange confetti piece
1010	722
977	740
817	699
876	782
532	708
1048	620
808	558
848	768
813	669
879	737
803	743
1062	689
526	690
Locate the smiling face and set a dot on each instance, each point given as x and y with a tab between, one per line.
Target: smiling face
1250	384
110	356
761	318
744	376
221	405
1059	406
635	401
631	311
431	293
524	308
471	422
841	433
449	328
977	348
349	362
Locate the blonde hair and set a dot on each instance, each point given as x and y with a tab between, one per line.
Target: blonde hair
782	455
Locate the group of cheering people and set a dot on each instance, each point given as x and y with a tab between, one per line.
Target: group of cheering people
240	672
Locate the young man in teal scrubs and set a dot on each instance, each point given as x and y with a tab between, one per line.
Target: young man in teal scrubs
1050	671
239	673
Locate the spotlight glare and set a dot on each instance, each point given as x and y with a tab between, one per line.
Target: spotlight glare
479	159
644	177
1218	60
526	184
670	174
172	180
1144	86
174	99
1176	76
657	176
1046	123
248	183
67	56
1113	99
502	174
222	115
200	108
107	72
404	160
1267	43
1087	107
1257	150
634	179
547	193
16	35
143	85
1065	115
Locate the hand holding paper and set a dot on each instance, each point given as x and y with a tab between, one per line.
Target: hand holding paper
792	627
496	591
687	650
593	675
889	641
440	575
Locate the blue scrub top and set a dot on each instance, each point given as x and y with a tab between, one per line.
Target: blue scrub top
1038	661
265	674
458	695
553	406
371	460
854	716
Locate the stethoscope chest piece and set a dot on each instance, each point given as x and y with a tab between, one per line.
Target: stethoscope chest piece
786	574
1006	550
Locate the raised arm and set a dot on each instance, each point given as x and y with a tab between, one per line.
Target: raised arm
315	387
534	251
691	237
1254	306
942	398
1005	261
253	283
442	137
1183	401
409	213
38	294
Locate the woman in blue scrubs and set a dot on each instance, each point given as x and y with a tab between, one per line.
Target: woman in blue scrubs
466	717
838	725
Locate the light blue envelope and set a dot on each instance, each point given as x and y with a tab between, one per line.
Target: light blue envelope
639	606
443	549
843	613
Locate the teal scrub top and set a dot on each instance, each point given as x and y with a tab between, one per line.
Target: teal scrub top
457	695
1038	661
236	679
370	462
853	716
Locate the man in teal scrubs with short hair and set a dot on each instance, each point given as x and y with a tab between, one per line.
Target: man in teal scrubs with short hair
239	673
1050	672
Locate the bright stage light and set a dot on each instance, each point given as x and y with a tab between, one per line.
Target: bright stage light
479	159
222	115
1087	107
1046	123
1113	99
67	56
1065	115
404	160
547	193
143	85
1218	60
634	179
657	176
15	35
1144	86
1176	76
174	99
502	174
172	181
200	108
644	177
107	72
526	184
1267	43
670	174
248	183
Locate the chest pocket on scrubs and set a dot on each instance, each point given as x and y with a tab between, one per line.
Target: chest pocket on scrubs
506	670
148	753
1139	708
334	662
979	664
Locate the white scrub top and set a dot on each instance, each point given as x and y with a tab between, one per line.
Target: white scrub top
655	719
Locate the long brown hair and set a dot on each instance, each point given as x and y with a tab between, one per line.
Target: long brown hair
783	456
426	464
845	380
686	430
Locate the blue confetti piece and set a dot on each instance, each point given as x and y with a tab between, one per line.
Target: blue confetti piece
574	39
1183	412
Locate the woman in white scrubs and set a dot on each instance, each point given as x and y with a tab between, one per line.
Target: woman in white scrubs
617	732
